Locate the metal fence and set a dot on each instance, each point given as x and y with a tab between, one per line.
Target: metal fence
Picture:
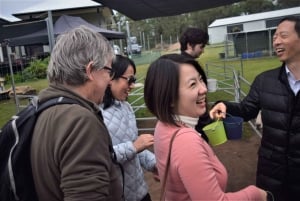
249	44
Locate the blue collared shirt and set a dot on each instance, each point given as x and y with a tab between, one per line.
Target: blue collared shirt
294	84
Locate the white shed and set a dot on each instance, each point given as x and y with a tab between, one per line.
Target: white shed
219	29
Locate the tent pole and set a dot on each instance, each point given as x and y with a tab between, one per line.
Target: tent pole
129	49
50	30
12	78
120	40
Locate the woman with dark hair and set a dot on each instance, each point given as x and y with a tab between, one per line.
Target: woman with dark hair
175	92
131	149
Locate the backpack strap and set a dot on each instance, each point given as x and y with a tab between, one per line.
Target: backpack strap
51	102
38	109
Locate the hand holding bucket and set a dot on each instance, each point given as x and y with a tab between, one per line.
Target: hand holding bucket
215	132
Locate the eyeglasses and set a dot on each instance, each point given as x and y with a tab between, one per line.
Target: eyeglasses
130	79
111	71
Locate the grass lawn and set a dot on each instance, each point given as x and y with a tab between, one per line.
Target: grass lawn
250	69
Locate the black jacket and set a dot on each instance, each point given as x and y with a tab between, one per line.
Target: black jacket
278	168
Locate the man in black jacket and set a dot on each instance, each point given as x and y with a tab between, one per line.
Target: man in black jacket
276	94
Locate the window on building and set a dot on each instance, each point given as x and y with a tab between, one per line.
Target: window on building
235	28
272	23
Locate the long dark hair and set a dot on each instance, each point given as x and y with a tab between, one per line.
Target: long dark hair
119	66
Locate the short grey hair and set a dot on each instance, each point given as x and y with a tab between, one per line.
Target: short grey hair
73	51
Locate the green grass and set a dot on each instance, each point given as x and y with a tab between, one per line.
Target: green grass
8	107
211	55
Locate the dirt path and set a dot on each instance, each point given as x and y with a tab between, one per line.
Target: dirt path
239	158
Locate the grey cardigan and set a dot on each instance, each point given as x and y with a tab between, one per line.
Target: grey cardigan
121	123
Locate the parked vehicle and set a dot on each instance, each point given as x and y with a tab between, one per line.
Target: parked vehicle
134	49
117	49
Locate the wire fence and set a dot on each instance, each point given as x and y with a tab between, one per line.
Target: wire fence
248	44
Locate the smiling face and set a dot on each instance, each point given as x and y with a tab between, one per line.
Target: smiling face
286	42
120	88
99	79
192	92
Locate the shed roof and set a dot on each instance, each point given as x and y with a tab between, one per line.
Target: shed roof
63	23
8	8
255	17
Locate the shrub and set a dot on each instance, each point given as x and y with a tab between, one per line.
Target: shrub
37	69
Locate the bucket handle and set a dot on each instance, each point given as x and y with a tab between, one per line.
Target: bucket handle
214	128
229	114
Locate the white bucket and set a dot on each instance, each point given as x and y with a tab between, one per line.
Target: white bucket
212	85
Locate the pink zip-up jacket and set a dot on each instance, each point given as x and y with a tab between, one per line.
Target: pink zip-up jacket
195	172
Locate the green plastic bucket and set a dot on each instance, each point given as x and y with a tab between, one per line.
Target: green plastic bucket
215	133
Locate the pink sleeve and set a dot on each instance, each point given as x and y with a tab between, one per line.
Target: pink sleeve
202	174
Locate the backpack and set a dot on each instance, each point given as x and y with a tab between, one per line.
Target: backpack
16	180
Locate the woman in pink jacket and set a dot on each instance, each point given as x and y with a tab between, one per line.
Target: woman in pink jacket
176	94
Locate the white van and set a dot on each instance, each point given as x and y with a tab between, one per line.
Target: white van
117	49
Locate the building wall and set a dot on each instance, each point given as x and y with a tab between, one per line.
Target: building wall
250	23
217	34
254	26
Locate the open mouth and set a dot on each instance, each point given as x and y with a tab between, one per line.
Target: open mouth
279	50
200	101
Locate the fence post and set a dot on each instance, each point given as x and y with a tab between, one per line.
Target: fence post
206	65
237	89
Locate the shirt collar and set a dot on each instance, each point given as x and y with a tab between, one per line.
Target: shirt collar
290	75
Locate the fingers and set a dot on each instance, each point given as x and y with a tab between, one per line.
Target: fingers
143	141
218	111
220	115
147	138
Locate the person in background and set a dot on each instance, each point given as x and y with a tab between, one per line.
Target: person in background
131	148
71	150
193	42
194	171
276	94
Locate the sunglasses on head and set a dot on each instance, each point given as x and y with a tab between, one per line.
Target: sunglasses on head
130	79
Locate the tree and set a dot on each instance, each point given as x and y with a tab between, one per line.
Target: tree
287	3
256	6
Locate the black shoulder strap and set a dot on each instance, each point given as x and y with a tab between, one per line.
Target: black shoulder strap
54	101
